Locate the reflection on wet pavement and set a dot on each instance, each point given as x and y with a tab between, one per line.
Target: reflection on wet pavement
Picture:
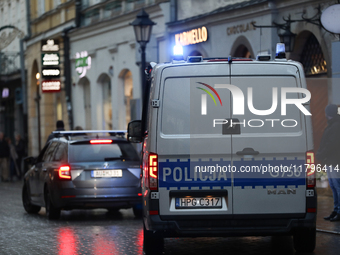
100	232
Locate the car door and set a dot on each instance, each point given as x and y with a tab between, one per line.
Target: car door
42	170
193	151
271	147
35	173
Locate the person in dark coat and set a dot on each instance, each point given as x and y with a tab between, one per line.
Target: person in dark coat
4	156
60	127
329	155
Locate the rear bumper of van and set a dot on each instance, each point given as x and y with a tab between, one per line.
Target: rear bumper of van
236	225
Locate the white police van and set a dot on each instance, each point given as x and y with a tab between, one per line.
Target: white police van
227	151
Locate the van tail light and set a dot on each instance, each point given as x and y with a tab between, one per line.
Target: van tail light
310	164
65	172
153	171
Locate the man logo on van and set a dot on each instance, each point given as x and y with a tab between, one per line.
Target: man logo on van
238	99
281	191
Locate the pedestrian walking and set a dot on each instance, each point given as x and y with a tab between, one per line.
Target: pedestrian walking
13	156
60	127
4	155
21	152
329	155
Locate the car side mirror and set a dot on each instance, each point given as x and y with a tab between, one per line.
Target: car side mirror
135	131
30	160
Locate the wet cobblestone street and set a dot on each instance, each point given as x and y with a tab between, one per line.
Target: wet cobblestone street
98	232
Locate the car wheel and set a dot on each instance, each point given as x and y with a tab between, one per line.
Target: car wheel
138	212
52	212
153	243
305	240
29	207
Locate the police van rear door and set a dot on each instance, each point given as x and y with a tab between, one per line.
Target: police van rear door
269	153
194	155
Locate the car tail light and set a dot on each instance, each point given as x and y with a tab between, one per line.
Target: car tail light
65	172
311	210
153	171
103	141
310	164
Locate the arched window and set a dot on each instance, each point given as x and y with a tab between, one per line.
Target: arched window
128	95
242	52
87	102
312	57
105	82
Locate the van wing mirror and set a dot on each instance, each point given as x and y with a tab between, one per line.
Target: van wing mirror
135	131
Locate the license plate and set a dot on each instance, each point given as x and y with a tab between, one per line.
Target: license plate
107	173
198	202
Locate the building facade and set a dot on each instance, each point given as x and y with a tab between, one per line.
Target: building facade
103	87
13	29
105	61
233	29
46	54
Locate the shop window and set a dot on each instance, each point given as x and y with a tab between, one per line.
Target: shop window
128	95
312	58
195	53
242	52
107	103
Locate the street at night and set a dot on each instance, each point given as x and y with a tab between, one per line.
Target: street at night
97	232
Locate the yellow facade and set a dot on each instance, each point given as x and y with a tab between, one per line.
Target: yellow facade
52	105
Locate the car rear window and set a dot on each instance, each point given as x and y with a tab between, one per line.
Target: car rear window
80	152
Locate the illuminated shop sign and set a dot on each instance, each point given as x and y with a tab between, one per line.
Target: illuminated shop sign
241	28
50	72
193	36
50	86
50	59
50	45
83	63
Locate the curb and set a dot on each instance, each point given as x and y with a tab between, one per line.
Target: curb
328	231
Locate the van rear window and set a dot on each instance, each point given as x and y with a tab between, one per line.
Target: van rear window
200	105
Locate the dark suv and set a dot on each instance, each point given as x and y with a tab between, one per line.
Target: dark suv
75	171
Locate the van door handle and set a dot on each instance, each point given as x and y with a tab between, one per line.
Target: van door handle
247	151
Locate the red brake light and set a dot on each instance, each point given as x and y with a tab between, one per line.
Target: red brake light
64	172
105	141
310	163
153	212
153	171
